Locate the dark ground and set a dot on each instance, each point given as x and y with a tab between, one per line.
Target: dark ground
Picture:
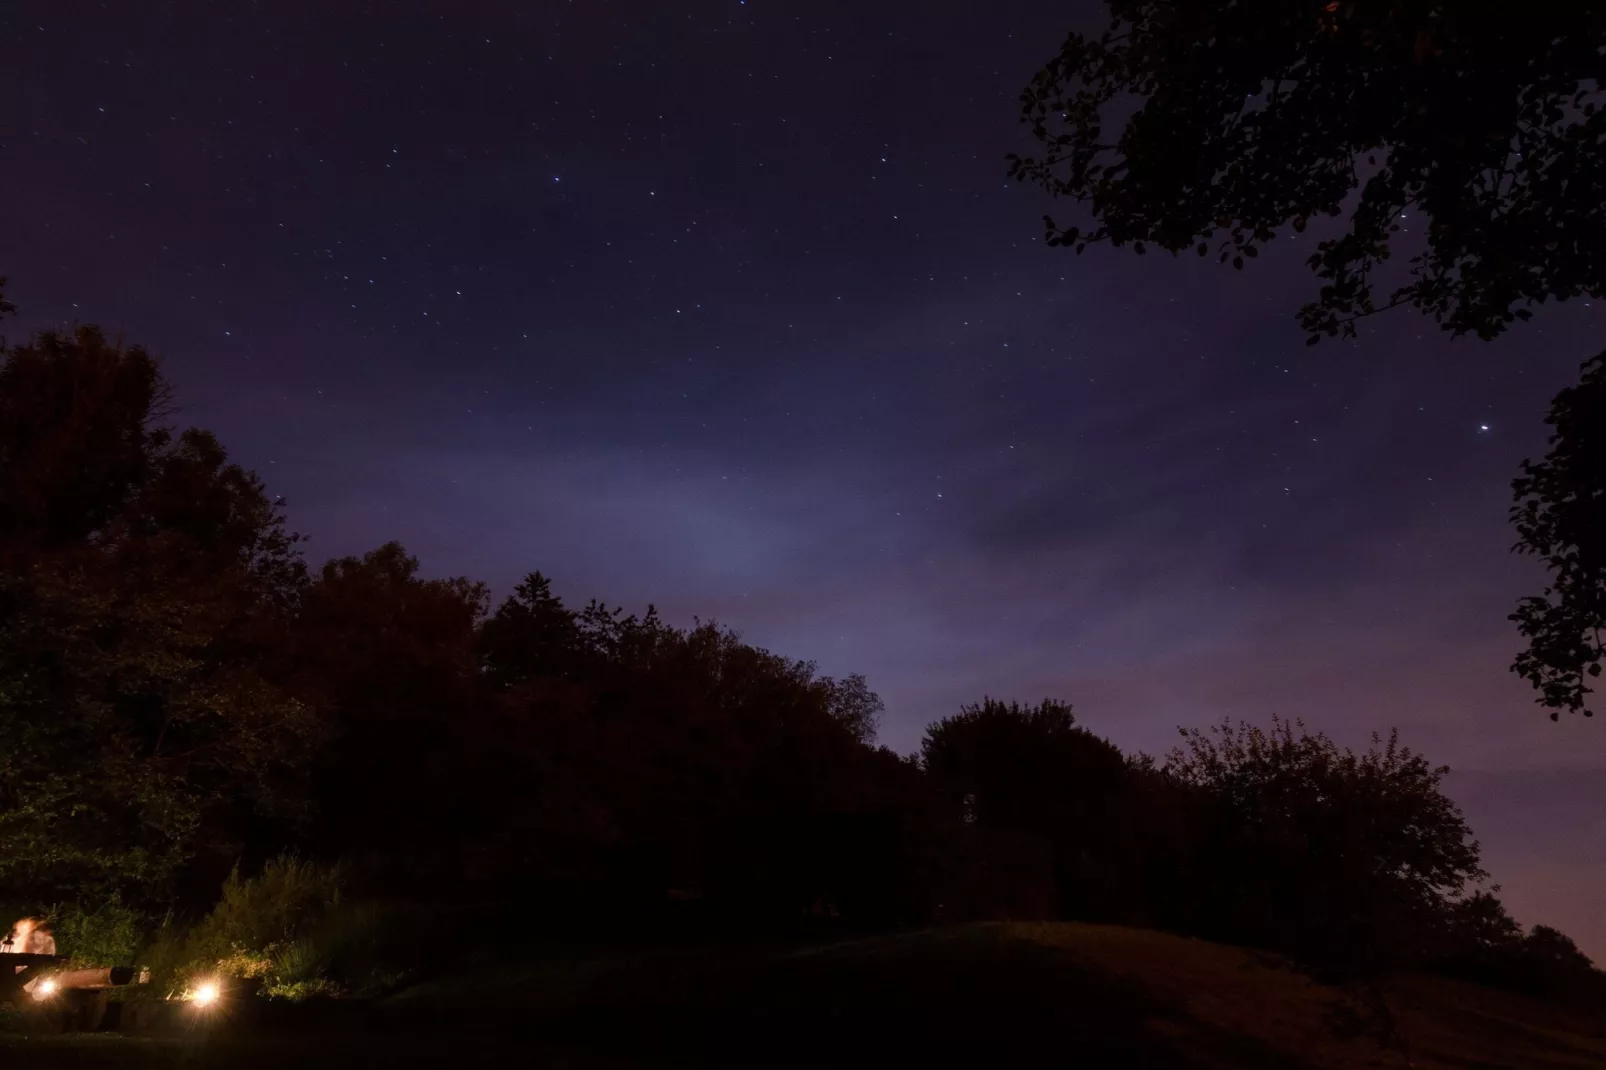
996	995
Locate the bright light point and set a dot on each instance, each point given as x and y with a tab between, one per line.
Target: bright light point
205	994
46	988
1483	427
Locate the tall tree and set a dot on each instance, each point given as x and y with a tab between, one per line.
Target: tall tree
387	657
658	759
1469	136
80	436
1025	767
1345	859
146	588
1033	770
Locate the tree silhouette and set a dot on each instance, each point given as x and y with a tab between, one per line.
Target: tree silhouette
1466	136
1023	767
387	658
1343	859
80	434
1482	942
1032	770
1247	120
146	591
1560	516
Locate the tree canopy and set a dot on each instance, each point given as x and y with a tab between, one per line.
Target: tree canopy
1246	121
146	587
1344	858
1560	515
1024	767
1449	158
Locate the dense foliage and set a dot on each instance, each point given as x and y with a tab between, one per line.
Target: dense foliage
1339	857
1031	771
1465	137
147	587
364	754
1561	517
1251	119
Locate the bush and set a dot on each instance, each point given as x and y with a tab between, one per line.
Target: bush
166	957
110	935
291	930
283	902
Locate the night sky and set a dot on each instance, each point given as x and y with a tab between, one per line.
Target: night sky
729	307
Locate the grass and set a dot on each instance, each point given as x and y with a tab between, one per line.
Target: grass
973	996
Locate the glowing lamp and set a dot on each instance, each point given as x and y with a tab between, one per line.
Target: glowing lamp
205	994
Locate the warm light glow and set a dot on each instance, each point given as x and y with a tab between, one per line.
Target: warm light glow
45	989
205	994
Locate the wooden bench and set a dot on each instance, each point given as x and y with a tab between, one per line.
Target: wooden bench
17	970
80	997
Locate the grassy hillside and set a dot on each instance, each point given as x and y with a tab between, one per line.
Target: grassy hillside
985	995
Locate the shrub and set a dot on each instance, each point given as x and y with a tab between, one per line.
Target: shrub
291	930
166	956
283	902
245	936
109	935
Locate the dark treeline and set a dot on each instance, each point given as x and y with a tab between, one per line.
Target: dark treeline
181	697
